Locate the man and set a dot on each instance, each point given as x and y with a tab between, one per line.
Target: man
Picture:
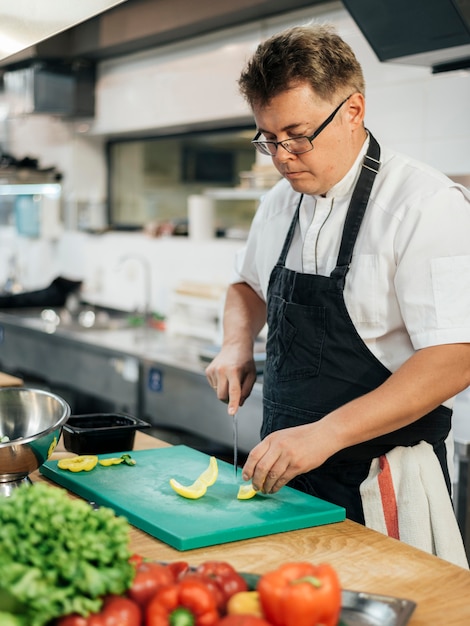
359	261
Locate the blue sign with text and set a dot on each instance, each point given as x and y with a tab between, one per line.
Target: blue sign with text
155	379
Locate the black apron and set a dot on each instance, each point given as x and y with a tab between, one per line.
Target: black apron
316	362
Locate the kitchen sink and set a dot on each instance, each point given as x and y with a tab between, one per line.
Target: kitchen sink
84	319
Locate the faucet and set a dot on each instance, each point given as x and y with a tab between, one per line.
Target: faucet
146	269
12	284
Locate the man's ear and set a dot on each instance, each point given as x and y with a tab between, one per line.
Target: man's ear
356	109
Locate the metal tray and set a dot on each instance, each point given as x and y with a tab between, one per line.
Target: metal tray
364	609
367	609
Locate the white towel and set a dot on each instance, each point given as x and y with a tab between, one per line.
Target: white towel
405	497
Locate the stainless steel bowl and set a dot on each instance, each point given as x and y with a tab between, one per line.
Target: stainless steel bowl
32	420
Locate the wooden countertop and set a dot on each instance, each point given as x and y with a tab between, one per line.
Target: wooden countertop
364	559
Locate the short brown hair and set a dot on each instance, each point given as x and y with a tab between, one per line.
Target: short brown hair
314	53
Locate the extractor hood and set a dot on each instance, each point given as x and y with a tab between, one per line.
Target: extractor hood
432	33
24	23
60	87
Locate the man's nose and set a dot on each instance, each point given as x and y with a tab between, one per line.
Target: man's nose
283	155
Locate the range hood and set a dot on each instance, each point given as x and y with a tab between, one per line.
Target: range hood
53	69
432	33
62	87
24	23
138	25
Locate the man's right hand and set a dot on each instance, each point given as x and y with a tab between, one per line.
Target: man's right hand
232	375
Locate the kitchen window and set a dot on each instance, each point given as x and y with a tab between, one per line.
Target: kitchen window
150	179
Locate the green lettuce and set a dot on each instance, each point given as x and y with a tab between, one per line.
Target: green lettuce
58	555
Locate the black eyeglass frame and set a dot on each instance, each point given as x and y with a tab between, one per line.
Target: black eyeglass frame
259	145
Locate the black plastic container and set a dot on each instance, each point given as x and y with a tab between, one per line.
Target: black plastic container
101	432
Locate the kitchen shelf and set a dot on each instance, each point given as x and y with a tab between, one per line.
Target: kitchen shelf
195	316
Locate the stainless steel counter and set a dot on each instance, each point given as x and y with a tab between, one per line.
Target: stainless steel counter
146	372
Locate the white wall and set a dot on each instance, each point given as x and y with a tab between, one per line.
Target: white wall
410	109
194	82
414	111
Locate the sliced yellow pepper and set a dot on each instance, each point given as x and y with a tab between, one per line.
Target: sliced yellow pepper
124	458
52	447
82	463
112	461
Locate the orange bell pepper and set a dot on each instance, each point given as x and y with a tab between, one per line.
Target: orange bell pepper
301	594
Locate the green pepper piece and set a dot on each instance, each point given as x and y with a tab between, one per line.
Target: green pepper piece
127	459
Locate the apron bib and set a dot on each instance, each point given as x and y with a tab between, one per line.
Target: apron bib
316	362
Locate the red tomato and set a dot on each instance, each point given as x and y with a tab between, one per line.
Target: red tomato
72	620
225	576
149	577
117	611
178	568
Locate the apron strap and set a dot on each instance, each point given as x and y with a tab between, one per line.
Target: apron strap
290	235
356	210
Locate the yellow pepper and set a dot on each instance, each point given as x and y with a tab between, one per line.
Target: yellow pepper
82	463
124	458
111	461
245	603
52	447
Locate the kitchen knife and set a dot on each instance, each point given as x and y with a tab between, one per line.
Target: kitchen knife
235	443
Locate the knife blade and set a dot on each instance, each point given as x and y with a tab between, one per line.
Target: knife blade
235	443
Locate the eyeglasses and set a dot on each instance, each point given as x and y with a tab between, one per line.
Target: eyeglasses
296	145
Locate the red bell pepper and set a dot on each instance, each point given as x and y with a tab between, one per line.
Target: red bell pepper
301	594
185	603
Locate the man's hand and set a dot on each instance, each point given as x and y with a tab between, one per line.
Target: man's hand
426	380
284	454
232	375
233	371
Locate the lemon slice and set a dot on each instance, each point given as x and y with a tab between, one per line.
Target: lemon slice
246	491
209	475
199	486
193	492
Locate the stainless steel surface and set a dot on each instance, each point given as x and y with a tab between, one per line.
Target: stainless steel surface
27	22
179	397
150	374
86	318
32	419
359	608
366	609
72	363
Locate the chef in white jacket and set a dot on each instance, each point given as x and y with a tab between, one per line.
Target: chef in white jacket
359	262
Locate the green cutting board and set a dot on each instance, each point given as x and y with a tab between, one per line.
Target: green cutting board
143	495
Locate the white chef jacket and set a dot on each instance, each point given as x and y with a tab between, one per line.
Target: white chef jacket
408	286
